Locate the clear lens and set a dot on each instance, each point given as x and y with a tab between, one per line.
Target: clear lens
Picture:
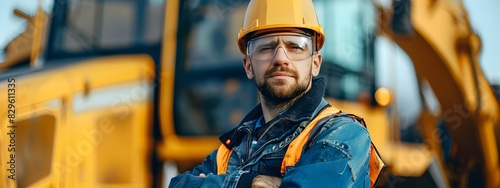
264	48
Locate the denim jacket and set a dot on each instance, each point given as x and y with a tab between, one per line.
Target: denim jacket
337	157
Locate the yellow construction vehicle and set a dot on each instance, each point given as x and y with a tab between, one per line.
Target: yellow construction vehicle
80	113
463	135
116	93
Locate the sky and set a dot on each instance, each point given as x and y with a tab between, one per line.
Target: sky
482	14
12	25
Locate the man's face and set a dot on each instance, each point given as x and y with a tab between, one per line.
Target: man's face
278	78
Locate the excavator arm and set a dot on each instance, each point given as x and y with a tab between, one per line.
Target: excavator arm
438	38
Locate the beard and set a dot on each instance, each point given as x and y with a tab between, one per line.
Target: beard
279	93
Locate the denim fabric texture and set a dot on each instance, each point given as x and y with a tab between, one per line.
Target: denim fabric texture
337	157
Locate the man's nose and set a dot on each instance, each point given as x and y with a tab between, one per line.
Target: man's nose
280	56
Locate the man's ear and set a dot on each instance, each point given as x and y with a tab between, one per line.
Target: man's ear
316	64
247	64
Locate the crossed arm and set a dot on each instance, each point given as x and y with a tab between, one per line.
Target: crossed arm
260	181
202	176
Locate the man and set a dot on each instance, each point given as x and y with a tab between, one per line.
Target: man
281	40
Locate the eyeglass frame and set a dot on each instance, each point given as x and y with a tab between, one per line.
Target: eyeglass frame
313	45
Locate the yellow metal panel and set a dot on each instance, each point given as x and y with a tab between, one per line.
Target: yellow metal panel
37	125
81	96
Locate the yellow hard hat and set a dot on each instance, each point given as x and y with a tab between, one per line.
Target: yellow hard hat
280	14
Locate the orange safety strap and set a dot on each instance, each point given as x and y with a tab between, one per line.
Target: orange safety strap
376	165
295	149
223	155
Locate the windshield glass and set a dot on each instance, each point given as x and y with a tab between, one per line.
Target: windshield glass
212	92
348	56
96	27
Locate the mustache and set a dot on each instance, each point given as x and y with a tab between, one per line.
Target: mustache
280	69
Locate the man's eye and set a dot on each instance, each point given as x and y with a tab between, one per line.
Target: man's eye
265	49
296	48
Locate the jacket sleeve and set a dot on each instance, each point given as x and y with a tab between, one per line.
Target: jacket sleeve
337	157
191	178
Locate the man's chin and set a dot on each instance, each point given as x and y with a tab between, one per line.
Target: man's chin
279	98
280	85
281	91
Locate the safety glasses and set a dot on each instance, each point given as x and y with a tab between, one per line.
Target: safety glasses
296	47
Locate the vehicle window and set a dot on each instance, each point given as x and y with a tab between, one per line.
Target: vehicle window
212	92
93	27
348	51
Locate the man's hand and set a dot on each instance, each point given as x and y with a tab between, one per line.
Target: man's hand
262	181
